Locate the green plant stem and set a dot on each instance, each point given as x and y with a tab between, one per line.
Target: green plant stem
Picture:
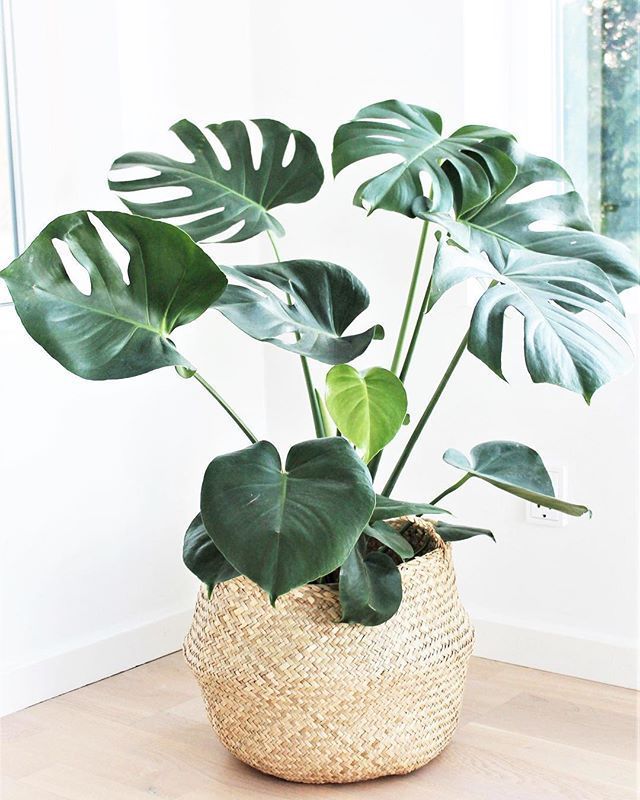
327	423
318	422
234	416
274	246
416	332
452	488
393	478
410	295
374	464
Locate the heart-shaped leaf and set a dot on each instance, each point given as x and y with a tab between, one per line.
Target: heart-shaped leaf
386	508
458	533
203	558
370	587
415	135
557	223
390	537
118	329
562	347
368	407
325	299
514	468
286	527
222	197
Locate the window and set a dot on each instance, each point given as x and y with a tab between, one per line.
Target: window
601	111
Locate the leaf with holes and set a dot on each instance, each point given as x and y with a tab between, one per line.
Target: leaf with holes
325	299
514	468
285	527
368	407
119	329
415	135
224	197
203	558
386	508
557	223
579	351
370	587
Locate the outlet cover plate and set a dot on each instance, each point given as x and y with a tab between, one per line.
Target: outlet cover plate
550	517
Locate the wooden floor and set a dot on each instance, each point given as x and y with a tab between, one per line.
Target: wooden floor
525	735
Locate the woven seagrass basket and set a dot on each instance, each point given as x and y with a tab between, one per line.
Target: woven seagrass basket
293	693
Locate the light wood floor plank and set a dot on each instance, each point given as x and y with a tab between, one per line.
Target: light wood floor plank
524	735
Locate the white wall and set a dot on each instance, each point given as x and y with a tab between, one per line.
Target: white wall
558	598
93	512
98	481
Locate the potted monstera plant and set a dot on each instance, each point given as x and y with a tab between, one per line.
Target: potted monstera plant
328	638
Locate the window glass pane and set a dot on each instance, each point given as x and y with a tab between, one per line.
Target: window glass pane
602	111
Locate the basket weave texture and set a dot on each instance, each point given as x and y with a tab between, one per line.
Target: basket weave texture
293	693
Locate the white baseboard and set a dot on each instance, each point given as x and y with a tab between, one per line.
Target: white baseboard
613	661
31	683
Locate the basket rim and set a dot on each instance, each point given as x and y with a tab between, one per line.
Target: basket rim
442	549
406	566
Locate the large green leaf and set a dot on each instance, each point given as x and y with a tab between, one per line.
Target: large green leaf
557	223
223	197
415	135
368	407
286	527
118	329
579	351
514	468
370	587
325	299
203	558
386	508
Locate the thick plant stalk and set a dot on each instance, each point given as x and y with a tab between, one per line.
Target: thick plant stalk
233	414
416	332
393	478
311	392
410	295
374	464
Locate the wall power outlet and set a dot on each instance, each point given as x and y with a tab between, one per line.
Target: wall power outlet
539	515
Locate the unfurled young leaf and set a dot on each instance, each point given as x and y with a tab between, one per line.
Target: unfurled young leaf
284	527
386	508
325	300
370	587
368	407
118	328
414	134
390	538
222	197
514	468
